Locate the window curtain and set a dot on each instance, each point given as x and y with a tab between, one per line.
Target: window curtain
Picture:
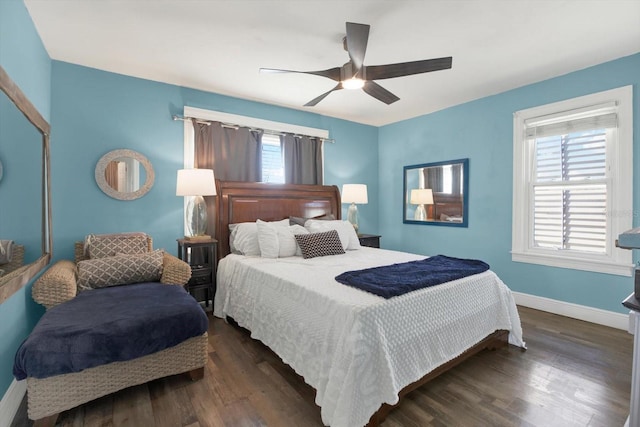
234	154
302	157
456	179
433	179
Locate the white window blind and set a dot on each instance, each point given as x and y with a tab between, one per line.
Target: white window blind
272	164
570	186
572	182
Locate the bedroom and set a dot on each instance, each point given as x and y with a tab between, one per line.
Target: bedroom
116	111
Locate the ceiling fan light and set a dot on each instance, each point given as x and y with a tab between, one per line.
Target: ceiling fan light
353	83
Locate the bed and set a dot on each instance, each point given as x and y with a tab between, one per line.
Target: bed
362	353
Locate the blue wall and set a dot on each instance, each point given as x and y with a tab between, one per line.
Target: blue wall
482	130
24	58
95	112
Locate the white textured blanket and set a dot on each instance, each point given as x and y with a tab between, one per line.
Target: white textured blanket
356	349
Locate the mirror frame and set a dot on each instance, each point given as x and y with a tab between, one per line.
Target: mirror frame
24	275
104	161
465	194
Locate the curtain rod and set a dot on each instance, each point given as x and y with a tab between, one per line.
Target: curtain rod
235	126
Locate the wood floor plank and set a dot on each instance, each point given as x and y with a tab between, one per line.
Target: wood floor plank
132	407
73	418
162	401
574	374
184	406
242	413
99	413
206	406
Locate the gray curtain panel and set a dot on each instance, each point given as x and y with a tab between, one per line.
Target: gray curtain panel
456	179
233	154
433	178
302	157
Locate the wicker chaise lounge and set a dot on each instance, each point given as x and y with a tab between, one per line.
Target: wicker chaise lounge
47	397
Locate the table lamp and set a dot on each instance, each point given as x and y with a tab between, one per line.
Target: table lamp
354	193
421	197
196	183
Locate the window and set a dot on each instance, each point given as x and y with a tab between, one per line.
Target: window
572	192
272	165
272	159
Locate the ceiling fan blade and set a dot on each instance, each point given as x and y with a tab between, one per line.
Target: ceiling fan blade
357	37
317	99
380	93
332	73
379	72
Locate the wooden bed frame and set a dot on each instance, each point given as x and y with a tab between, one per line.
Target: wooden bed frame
248	201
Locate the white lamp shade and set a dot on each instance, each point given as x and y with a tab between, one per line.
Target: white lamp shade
354	193
195	182
421	196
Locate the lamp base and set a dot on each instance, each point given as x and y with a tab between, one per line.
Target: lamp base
420	213
196	216
196	238
352	216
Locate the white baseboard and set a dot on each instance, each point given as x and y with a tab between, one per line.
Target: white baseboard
581	312
11	402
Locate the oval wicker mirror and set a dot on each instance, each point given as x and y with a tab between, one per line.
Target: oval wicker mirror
124	174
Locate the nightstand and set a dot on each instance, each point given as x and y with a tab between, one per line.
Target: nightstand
370	240
202	256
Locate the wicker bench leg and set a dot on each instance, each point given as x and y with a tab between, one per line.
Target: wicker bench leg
196	374
49	421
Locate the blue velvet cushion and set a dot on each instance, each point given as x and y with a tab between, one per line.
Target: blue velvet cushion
106	325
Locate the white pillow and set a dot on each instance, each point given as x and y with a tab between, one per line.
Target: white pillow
277	240
346	232
243	239
287	239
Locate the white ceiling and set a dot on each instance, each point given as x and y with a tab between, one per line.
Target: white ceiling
219	45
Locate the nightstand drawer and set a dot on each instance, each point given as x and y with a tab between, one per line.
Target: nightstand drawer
369	240
201	255
200	276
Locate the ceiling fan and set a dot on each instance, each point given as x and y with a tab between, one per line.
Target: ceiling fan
355	75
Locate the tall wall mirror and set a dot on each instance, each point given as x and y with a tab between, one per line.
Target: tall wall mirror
25	209
437	193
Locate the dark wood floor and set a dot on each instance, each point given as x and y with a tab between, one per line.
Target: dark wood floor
573	374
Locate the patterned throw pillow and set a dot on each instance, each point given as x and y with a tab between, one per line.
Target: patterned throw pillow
120	270
319	244
108	245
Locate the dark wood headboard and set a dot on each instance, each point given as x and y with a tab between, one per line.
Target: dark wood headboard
248	201
447	204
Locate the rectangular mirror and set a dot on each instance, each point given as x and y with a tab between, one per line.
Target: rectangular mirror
25	210
437	193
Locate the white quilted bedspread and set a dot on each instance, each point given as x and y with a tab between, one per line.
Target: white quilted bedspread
356	349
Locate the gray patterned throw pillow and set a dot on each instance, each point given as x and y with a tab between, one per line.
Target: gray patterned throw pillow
319	244
120	270
108	245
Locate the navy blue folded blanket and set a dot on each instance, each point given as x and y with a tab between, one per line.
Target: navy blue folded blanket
106	325
397	279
